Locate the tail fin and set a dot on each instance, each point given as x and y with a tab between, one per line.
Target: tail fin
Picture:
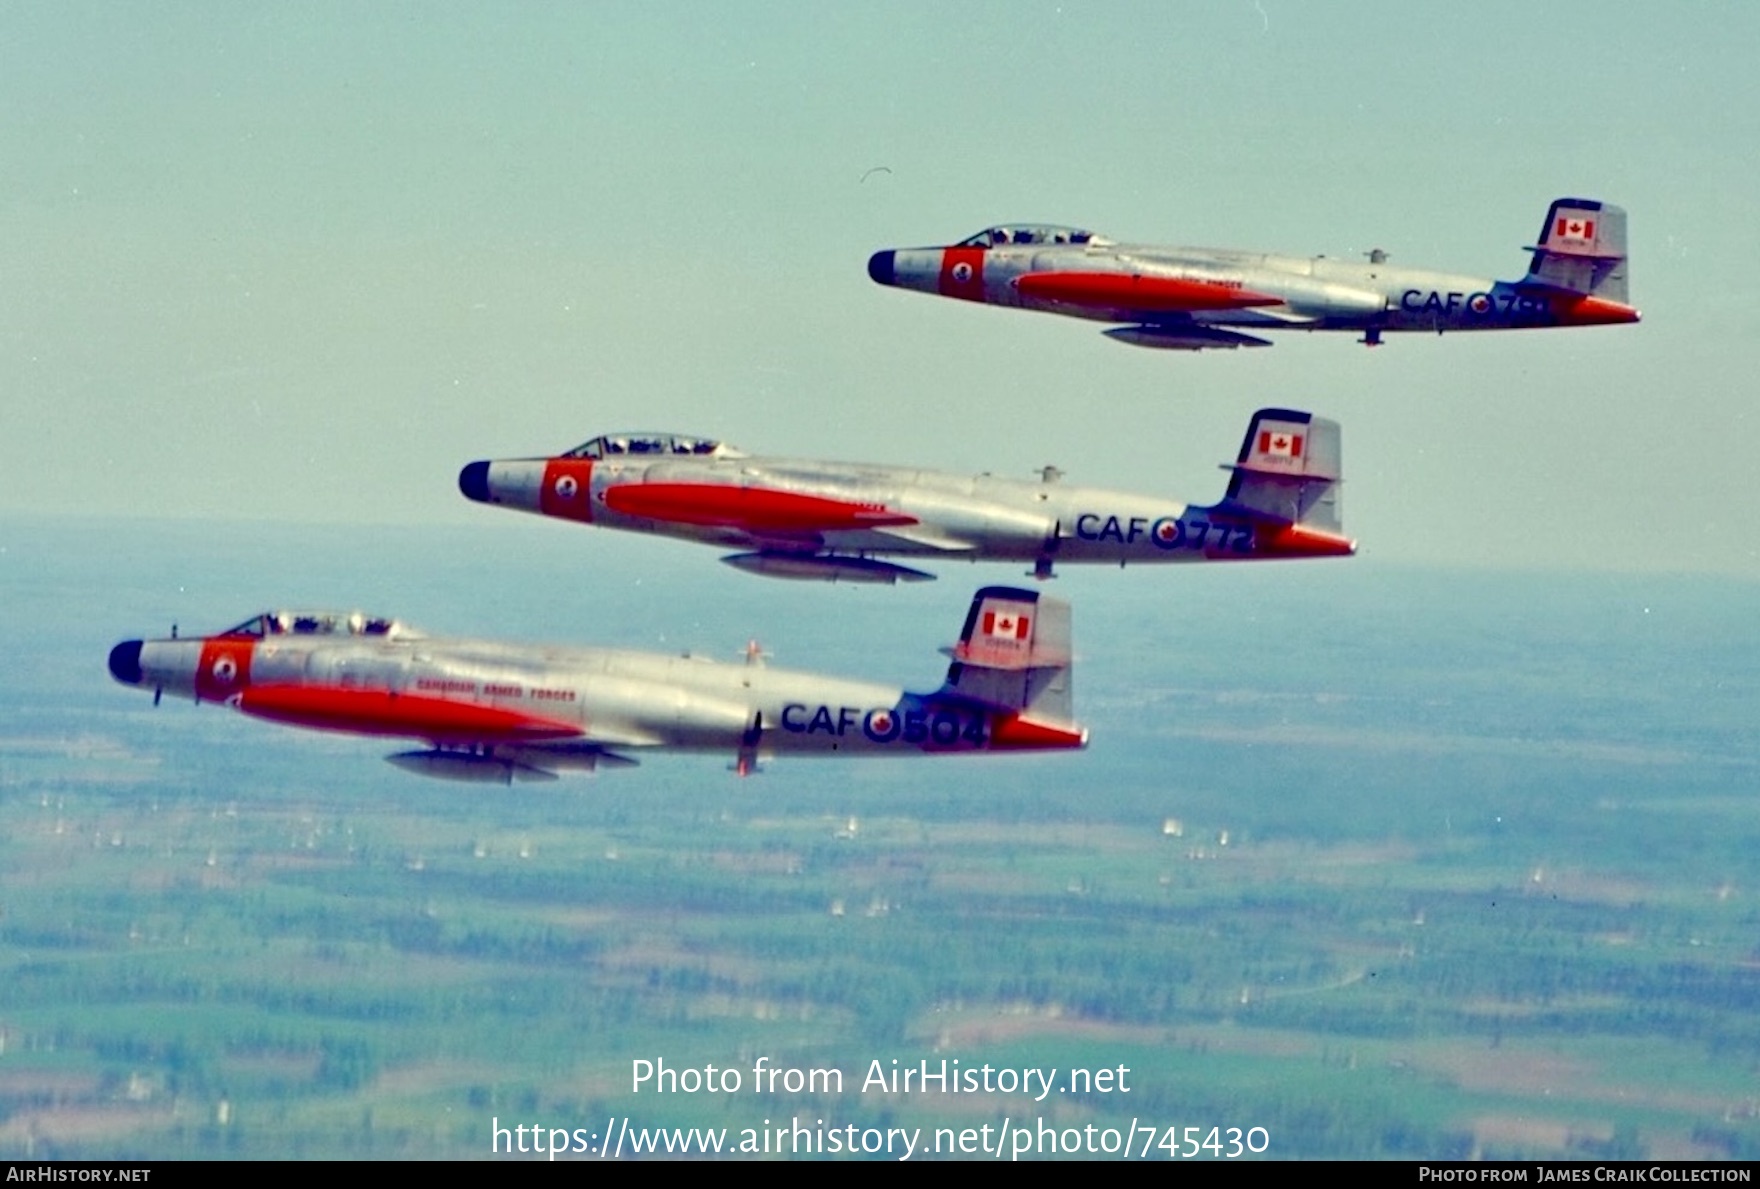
1289	470
1582	249
1014	655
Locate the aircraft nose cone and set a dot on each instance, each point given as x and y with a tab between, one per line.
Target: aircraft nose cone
881	268
474	482
125	662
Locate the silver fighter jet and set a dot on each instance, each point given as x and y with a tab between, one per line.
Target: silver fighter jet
502	712
796	518
1190	299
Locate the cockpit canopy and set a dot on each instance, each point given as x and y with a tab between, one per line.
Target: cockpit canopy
620	445
318	623
1030	233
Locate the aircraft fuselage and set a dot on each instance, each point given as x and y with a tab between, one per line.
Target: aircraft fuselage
804	508
1312	293
530	708
1194	299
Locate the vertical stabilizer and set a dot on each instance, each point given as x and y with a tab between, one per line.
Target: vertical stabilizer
1014	655
1289	470
1582	249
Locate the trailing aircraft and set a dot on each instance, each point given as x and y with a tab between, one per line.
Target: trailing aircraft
834	521
1193	299
504	712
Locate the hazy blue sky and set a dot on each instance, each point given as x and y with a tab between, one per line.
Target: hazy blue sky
302	261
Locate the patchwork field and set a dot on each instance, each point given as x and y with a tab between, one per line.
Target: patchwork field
1425	914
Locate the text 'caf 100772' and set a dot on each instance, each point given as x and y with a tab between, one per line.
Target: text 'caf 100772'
804	518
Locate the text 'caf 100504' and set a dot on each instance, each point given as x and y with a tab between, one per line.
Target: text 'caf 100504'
500	712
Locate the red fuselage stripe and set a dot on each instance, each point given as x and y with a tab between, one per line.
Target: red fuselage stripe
386	712
757	509
1122	290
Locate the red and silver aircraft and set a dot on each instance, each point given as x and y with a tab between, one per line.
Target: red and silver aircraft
833	520
501	712
1190	299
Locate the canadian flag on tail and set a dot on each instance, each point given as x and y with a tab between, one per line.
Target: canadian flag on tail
1000	634
1280	443
1004	625
1574	229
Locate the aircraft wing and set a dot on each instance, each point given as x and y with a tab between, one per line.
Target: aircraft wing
527	762
602	735
928	537
581	749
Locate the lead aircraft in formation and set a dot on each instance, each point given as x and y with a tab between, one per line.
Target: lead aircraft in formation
795	518
505	712
1192	299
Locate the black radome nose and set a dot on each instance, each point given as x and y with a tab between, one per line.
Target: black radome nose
474	482
125	662
881	268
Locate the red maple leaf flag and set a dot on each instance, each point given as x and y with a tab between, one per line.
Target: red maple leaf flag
1005	626
1573	228
1280	444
